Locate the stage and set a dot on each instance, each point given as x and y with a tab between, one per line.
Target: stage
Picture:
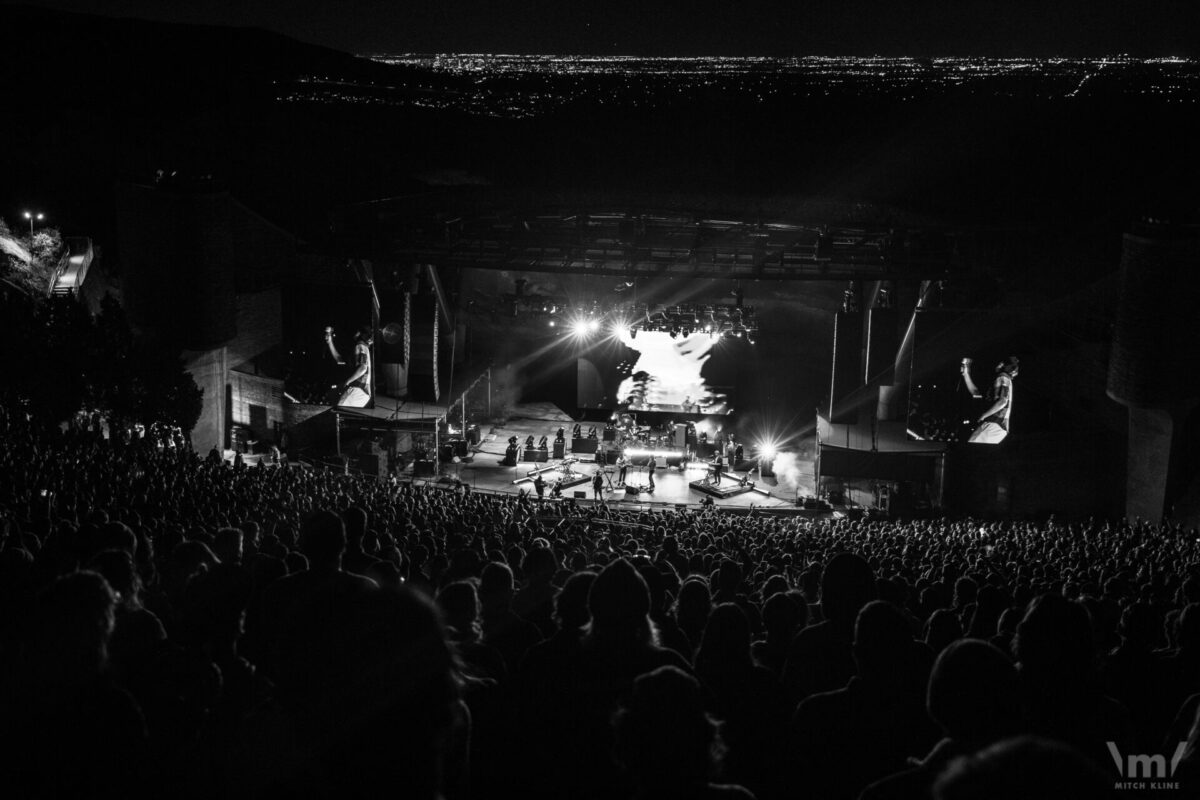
483	470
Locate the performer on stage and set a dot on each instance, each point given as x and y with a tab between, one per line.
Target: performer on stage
598	485
718	465
993	423
539	485
358	386
651	465
622	468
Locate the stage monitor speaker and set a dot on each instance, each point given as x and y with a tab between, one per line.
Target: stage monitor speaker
541	454
680	435
610	434
422	467
847	366
584	445
559	448
580	495
461	448
510	457
631	489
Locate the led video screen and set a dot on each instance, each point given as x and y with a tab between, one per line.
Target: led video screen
654	371
960	391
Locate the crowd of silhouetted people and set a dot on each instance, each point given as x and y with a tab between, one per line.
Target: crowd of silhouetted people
177	627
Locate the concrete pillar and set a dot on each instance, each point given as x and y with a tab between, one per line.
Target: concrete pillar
1155	360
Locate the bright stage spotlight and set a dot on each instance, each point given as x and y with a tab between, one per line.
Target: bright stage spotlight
767	450
593	325
580	327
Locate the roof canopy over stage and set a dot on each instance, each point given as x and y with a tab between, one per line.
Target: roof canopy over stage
637	235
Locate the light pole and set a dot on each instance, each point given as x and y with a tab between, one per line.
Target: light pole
31	216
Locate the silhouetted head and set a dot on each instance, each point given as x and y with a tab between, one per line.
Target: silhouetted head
1191	589
847	584
965	592
118	536
399	704
656	583
75	618
323	540
693	605
726	641
663	735
619	598
540	564
729	576
571	603
942	628
116	566
1141	626
783	615
1055	638
460	606
227	544
883	642
355	520
496	586
973	693
1189	628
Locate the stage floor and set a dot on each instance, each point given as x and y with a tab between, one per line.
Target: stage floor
485	471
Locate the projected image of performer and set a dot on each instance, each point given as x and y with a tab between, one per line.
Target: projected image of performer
667	371
356	388
993	422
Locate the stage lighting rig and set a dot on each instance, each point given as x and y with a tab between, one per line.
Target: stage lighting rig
689	319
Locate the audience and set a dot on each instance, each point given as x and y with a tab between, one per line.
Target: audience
667	742
178	627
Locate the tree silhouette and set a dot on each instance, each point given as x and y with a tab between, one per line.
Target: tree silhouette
59	359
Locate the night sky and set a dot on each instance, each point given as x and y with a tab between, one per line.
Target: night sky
702	27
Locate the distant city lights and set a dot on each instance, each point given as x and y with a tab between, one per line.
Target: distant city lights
552	82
